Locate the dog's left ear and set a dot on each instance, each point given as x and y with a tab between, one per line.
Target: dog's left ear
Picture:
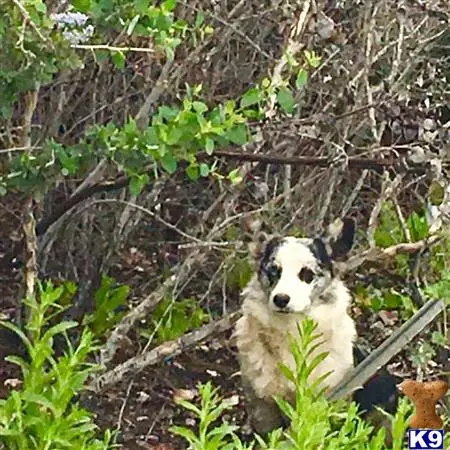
340	238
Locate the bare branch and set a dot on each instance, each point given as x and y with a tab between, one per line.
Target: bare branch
377	254
167	349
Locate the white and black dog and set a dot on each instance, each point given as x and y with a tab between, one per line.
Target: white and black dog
295	279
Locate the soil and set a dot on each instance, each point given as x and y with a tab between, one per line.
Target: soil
146	408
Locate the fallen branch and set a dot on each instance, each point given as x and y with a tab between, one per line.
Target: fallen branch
165	350
143	308
319	161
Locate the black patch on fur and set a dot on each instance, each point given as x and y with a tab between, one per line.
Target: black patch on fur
325	298
380	390
266	262
344	242
319	250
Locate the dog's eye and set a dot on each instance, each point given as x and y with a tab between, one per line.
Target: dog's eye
306	275
273	273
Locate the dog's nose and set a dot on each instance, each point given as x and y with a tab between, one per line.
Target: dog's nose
281	300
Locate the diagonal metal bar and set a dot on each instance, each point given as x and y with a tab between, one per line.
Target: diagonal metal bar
390	347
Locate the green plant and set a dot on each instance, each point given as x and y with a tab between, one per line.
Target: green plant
107	300
209	437
171	319
43	414
239	272
315	422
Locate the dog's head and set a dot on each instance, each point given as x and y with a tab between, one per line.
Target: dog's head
297	272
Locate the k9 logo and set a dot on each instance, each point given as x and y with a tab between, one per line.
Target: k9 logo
425	439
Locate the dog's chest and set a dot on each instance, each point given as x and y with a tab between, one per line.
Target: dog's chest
263	346
277	342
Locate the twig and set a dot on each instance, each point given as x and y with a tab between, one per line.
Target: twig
161	220
112	48
30	21
165	350
124	404
144	307
142	117
402	221
232	27
293	46
376	253
354	163
354	194
58	212
94	177
29	224
329	195
30	266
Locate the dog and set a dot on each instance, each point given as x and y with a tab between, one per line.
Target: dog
295	278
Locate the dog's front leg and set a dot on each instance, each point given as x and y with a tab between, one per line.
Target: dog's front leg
264	414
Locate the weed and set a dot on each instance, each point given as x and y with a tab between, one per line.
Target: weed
43	414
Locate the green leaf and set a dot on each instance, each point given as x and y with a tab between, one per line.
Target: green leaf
169	5
132	25
192	172
436	192
141	6
59	329
199	107
187	434
209	146
199	19
286	100
101	55
302	78
204	170
82	5
169	163
312	59
251	97
137	183
238	134
118	59
235	177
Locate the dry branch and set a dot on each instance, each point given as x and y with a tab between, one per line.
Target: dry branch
143	308
29	223
376	254
30	262
168	349
353	163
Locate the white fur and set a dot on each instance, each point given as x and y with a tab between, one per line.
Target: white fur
261	334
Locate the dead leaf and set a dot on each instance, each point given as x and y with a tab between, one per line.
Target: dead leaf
184	394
